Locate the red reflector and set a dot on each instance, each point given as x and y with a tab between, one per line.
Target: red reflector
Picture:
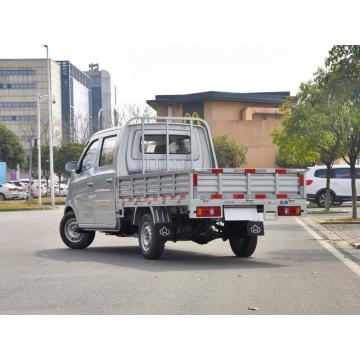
239	196
260	196
195	179
289	210
216	196
282	196
301	180
280	171
217	171
208	211
250	171
309	182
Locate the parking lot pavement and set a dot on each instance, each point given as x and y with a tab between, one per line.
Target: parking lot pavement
335	230
290	273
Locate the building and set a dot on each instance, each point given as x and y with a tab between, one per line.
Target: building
247	118
76	103
21	80
103	98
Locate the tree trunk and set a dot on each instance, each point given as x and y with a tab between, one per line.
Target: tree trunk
327	192
353	189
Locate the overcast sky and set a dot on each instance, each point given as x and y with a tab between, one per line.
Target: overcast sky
162	47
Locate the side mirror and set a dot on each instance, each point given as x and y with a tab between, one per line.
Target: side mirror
71	165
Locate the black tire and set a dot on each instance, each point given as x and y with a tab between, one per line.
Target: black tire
70	236
320	199
2	197
243	247
151	245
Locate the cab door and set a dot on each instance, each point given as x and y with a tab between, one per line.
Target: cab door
104	183
82	185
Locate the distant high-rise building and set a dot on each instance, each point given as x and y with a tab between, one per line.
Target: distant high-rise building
103	98
76	103
21	80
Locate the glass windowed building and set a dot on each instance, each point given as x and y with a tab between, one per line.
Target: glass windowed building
103	98
21	80
76	103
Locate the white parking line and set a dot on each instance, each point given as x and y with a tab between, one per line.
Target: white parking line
349	263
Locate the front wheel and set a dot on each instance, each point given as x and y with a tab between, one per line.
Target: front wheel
151	245
243	247
70	234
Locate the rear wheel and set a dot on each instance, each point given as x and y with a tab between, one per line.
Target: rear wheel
151	245
2	197
72	236
320	200
243	247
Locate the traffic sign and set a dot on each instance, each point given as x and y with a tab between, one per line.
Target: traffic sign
2	172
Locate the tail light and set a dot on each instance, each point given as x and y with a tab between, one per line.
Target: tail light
289	210
309	181
12	189
208	211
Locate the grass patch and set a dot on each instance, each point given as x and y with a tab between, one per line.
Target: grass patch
312	206
18	205
328	212
46	200
347	219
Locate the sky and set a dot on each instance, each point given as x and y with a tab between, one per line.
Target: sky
177	47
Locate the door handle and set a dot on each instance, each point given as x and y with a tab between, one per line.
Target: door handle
108	180
90	184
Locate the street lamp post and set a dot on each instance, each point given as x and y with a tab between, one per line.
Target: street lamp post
98	118
51	154
39	147
40	99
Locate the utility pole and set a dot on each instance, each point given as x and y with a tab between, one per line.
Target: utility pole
51	154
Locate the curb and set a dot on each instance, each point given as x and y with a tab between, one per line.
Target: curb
339	222
330	235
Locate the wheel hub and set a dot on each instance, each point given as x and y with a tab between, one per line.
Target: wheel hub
146	236
72	232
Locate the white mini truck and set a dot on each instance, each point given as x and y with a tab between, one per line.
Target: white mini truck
158	179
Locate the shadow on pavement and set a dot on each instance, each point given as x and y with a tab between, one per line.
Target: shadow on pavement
171	260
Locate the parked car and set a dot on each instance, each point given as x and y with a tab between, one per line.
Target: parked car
340	184
8	192
34	187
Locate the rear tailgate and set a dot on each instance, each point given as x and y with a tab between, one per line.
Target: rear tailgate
258	184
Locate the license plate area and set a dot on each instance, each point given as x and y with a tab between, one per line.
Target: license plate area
242	214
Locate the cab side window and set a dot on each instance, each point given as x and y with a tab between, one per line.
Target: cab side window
107	151
88	160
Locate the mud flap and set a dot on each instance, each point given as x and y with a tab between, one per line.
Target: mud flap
165	231
255	228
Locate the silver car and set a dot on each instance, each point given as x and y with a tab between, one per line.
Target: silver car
8	192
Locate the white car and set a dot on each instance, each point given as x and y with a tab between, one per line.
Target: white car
8	192
340	184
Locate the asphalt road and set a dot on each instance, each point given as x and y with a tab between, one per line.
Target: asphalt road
290	273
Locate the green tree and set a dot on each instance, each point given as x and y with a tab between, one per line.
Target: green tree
343	79
228	152
11	150
63	154
310	133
